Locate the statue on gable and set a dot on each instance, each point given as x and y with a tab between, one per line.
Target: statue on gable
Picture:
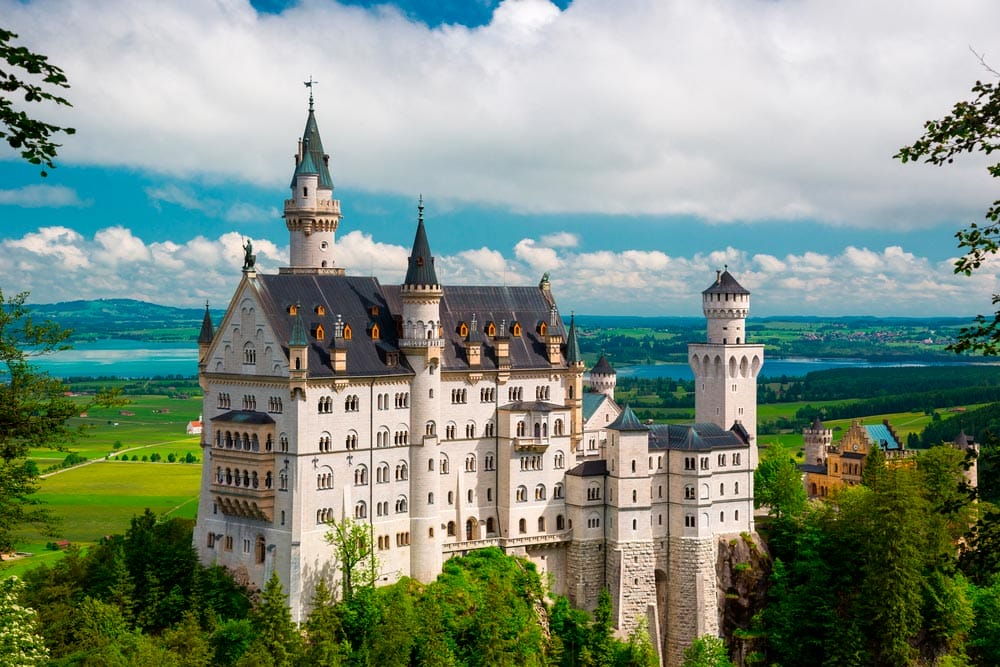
249	259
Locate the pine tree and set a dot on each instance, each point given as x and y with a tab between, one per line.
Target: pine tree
276	634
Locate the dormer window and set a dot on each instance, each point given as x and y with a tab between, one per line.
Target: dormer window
491	329
463	329
515	329
348	334
319	332
543	328
376	333
293	310
392	359
420	260
320	310
373	311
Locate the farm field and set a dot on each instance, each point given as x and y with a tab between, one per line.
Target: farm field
101	497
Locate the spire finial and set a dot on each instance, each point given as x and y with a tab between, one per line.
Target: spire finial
309	84
420	208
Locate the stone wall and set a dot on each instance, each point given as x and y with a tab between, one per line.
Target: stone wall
632	583
584	573
692	609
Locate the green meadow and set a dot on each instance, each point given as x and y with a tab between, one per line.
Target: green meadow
100	497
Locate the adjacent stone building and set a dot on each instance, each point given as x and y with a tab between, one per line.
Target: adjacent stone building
452	418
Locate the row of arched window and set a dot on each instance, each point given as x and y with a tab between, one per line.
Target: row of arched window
402	473
248	442
244	478
521	494
541	429
451	430
459	396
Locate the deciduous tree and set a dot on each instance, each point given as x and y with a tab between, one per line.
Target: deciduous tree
31	76
973	126
354	554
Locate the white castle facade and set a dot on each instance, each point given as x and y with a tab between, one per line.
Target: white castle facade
452	418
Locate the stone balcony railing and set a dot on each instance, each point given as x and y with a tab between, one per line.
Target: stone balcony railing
324	205
530	444
421	342
509	542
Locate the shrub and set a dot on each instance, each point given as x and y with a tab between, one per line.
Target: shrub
171	457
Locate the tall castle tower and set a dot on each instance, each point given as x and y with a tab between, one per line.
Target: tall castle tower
422	343
311	214
726	367
629	560
574	385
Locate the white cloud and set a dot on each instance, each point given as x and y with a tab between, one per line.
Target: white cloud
59	264
560	240
726	110
42	196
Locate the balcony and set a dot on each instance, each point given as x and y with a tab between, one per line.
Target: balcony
537	445
509	542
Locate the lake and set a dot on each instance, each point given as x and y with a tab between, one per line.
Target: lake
122	358
136	359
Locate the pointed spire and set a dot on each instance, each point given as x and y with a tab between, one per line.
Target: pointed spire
602	367
207	332
572	346
312	149
298	338
420	269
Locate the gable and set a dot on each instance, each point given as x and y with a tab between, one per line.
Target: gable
245	341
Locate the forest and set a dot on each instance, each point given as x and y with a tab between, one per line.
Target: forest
143	599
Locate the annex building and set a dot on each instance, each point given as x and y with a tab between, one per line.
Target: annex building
450	418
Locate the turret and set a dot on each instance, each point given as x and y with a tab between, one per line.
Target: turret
726	305
817	439
604	378
311	214
574	385
553	337
298	355
422	343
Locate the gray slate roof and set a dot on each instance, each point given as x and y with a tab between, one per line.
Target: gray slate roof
244	417
627	421
591	468
602	367
572	346
525	305
352	297
726	284
693	437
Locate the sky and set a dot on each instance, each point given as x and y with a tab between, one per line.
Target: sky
629	148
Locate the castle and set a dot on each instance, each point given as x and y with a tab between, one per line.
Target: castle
452	418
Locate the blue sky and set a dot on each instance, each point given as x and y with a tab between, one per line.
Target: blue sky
629	148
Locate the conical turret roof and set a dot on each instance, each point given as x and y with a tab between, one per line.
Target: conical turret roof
207	332
298	337
725	284
572	346
420	268
602	367
312	151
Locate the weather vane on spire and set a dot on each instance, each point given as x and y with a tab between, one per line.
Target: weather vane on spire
420	208
309	84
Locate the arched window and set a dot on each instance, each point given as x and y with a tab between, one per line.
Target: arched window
559	460
470	463
490	528
444	464
540	492
382	473
249	354
521	494
560	522
451	529
401	505
361	475
520	429
360	510
402	472
557	491
261	549
522	526
541	524
557	427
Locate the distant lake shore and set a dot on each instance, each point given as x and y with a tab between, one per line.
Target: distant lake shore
123	358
